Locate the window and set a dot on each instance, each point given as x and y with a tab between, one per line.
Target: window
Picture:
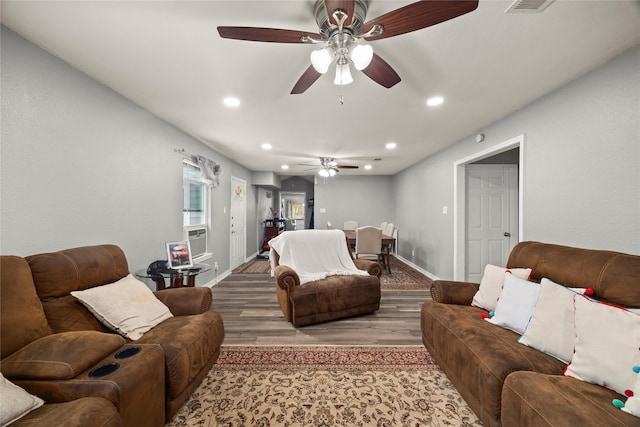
194	208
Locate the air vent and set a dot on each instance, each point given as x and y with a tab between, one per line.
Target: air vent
528	6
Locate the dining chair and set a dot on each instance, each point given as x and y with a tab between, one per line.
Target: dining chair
369	245
350	225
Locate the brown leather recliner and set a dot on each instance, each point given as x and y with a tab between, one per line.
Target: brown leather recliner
333	297
42	322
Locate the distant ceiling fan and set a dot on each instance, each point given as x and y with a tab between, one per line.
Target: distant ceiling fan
343	30
329	167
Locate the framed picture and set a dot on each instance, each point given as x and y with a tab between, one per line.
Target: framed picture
179	254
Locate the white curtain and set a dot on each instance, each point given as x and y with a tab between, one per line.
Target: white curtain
210	169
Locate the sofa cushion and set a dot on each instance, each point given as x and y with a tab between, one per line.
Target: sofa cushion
127	306
551	328
491	285
60	356
476	355
612	275
16	402
189	342
532	399
58	273
516	303
607	345
22	317
67	313
86	411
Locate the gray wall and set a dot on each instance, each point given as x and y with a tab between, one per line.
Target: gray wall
366	199
581	166
82	165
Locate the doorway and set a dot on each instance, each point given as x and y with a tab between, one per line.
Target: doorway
238	226
475	246
293	209
491	215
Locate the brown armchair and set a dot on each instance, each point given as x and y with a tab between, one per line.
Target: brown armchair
332	296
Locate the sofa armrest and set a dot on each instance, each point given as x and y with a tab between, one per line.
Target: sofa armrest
286	277
61	356
451	292
186	301
372	267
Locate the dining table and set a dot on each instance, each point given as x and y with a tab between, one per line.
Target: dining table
387	244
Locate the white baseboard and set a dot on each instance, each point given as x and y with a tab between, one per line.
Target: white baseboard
218	279
420	269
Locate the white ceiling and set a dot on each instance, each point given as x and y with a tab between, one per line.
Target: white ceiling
167	57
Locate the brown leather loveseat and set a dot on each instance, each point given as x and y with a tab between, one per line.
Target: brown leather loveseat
54	347
507	383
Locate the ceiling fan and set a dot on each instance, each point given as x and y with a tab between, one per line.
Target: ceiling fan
329	167
343	30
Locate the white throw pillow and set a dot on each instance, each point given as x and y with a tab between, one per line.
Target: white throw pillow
127	306
516	303
607	345
16	402
632	405
551	328
491	285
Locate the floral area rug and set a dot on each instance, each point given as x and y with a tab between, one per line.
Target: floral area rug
402	277
325	386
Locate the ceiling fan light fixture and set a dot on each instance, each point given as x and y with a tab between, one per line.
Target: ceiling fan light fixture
322	58
332	171
361	56
343	74
323	172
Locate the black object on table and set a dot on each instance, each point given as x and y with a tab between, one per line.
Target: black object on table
176	276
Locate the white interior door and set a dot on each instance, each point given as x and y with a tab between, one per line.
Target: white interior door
238	225
491	217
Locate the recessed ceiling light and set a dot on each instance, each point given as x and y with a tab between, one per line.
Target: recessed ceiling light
284	167
266	146
368	167
231	101
436	100
390	145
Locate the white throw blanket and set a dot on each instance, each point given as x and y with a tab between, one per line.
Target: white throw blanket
314	254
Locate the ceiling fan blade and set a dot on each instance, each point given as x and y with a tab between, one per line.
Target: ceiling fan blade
308	78
381	72
274	35
416	16
347	167
347	5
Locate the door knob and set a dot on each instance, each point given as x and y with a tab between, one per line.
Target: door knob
507	234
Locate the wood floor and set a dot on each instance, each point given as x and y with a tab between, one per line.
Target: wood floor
252	316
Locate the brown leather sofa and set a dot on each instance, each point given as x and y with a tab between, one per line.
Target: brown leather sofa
507	383
332	298
51	343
